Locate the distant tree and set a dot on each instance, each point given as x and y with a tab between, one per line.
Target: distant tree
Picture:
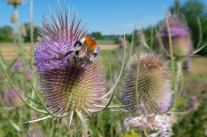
97	35
35	34
5	33
6	30
176	7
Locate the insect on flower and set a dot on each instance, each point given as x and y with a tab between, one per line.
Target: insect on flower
84	52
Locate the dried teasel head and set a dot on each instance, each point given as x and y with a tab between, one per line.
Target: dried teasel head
13	19
15	2
154	85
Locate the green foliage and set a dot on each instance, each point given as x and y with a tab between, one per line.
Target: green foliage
193	124
6	30
5	33
5	38
28	31
97	35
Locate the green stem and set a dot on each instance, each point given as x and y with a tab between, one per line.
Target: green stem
137	77
161	43
172	62
152	40
32	47
20	44
180	77
132	43
200	32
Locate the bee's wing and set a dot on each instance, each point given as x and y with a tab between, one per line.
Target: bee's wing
97	50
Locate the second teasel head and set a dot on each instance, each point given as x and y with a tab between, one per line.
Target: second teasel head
154	85
180	34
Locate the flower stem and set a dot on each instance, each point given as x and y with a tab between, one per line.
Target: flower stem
20	44
132	43
172	62
137	78
180	77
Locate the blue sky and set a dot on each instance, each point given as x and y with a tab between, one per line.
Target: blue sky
106	16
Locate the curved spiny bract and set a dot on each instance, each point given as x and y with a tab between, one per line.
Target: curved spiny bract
154	85
73	89
180	35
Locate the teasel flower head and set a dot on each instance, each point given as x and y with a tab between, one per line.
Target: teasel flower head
23	31
140	38
180	35
121	42
13	19
154	85
160	124
15	2
67	88
11	99
29	73
18	65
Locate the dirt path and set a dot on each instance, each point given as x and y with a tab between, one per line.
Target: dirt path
11	51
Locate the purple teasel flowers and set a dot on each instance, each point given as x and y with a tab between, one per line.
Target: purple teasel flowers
155	94
11	99
140	38
68	89
18	66
121	42
180	35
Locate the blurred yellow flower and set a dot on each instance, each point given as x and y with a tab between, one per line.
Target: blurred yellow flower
132	134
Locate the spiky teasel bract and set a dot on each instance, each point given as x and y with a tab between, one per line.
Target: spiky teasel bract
66	87
180	35
72	89
154	85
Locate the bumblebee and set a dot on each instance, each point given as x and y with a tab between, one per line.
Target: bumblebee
84	52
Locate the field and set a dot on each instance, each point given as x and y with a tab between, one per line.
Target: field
108	123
